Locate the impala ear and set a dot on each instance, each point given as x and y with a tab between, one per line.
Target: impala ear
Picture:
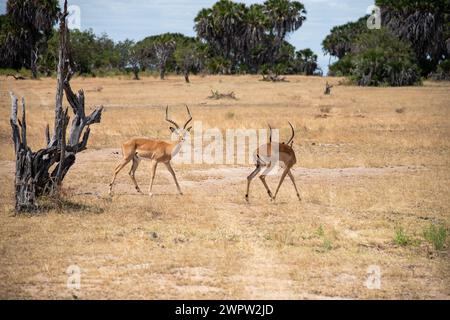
172	129
188	129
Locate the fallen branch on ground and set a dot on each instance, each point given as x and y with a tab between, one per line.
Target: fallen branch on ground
216	95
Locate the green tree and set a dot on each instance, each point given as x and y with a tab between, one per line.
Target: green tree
83	51
129	58
306	62
157	52
190	56
30	25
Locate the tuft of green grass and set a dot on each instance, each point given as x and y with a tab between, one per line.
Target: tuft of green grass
327	245
320	232
401	237
436	235
229	115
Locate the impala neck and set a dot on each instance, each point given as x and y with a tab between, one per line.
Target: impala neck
176	147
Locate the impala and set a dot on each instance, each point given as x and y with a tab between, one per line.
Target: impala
267	155
155	150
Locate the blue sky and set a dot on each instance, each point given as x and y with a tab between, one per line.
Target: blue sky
136	19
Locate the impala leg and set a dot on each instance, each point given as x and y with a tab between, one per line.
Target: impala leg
295	186
250	178
132	172
285	172
154	164
263	180
169	167
116	171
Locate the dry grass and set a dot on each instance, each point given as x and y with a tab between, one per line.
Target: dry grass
365	169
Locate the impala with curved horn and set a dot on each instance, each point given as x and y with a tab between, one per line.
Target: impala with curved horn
267	155
156	150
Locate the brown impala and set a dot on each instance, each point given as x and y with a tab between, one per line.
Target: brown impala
155	150
267	155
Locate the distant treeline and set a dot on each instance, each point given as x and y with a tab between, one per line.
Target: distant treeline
234	38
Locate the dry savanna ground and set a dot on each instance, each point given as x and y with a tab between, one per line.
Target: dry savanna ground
373	169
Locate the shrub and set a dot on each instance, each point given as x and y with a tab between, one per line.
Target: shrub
435	235
401	237
343	67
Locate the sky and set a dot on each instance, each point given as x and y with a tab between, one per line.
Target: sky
137	19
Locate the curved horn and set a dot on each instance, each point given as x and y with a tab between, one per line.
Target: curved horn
270	133
190	117
293	133
171	121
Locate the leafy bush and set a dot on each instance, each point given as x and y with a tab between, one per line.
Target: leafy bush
342	67
382	59
443	71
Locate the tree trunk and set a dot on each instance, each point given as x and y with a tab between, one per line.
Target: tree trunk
33	63
136	73
162	72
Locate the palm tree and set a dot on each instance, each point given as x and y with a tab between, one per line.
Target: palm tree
229	21
341	39
254	36
222	26
255	25
204	25
35	20
308	61
284	17
251	36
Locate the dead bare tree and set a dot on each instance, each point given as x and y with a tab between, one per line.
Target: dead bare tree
216	95
33	177
272	77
